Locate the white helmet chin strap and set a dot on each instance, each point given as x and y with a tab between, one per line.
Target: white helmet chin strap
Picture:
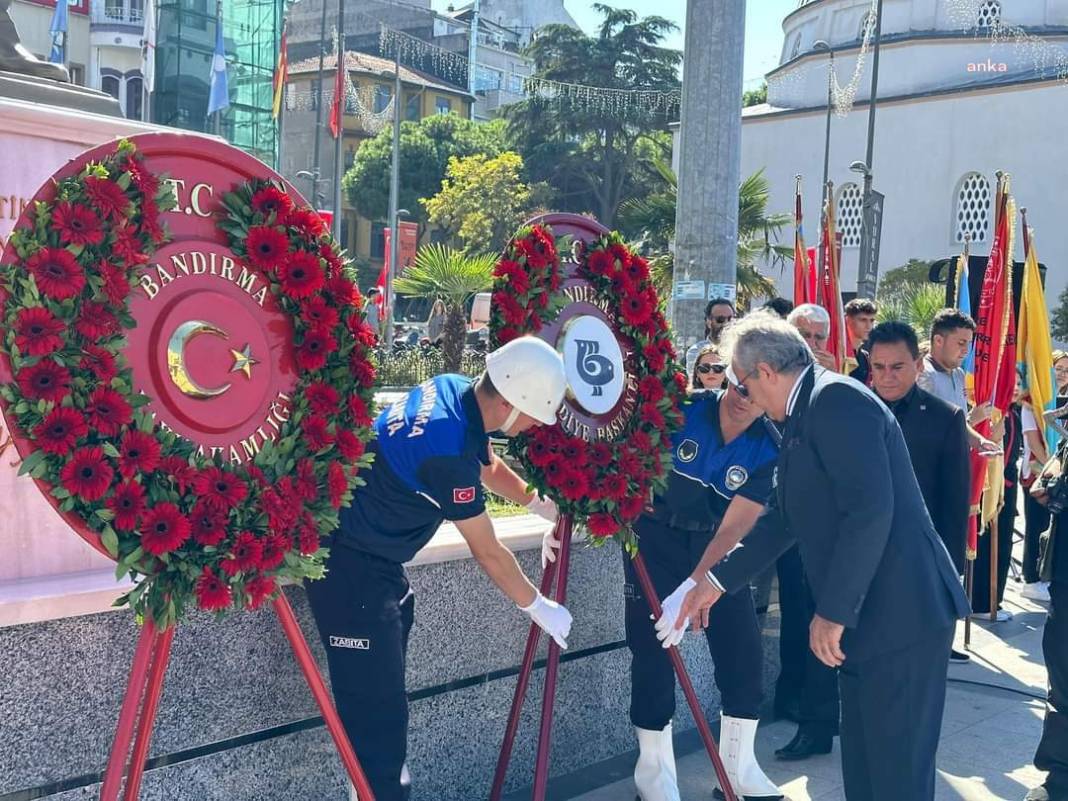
512	417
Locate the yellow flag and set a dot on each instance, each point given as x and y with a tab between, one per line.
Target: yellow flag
1034	349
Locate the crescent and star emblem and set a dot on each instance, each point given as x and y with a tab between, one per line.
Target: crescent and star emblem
243	361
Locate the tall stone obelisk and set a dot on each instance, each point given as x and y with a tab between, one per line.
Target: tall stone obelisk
706	215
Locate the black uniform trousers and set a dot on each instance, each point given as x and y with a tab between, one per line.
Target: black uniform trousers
981	574
1036	522
803	679
364	610
733	634
1052	753
901	691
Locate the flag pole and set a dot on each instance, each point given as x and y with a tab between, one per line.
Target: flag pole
969	558
341	83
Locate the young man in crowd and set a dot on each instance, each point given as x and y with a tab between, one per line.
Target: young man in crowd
860	319
432	458
718	313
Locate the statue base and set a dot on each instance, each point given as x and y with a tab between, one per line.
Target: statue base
29	89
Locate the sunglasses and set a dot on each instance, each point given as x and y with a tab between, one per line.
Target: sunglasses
738	384
705	369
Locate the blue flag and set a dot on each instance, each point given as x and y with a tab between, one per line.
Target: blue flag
220	90
58	29
964	304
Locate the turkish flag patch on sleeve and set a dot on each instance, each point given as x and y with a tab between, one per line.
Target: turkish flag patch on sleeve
465	495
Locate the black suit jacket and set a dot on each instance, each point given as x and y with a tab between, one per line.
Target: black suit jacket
937	438
847	494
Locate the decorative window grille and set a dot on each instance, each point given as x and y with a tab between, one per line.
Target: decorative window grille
989	14
850	208
974	200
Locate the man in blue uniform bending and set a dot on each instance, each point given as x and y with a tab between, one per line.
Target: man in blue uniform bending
432	459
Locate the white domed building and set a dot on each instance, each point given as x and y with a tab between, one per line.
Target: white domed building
965	88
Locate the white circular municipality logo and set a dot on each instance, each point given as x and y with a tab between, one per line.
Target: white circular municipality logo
593	362
736	476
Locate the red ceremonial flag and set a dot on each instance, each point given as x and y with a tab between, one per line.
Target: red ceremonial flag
811	277
337	106
993	369
801	266
830	288
280	74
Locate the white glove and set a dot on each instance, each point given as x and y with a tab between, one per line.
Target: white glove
553	619
544	508
550	544
671	606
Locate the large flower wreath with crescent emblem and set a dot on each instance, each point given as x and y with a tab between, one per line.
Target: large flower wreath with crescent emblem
604	484
188	529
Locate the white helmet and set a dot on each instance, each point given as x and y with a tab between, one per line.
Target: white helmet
529	374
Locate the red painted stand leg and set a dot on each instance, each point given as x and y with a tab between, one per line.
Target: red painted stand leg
522	683
969	577
128	714
160	659
686	684
322	697
541	763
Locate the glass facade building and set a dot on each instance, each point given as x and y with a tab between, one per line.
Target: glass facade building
184	50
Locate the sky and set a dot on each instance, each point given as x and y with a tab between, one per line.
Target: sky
763	26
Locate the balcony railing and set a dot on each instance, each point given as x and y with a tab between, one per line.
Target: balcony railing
110	13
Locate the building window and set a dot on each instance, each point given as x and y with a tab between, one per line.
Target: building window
443	105
989	14
137	10
382	98
77	74
867	25
850	214
134	96
378	240
973	208
109	84
413	107
350	158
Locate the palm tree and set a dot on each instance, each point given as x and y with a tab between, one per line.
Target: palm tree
916	306
652	219
443	272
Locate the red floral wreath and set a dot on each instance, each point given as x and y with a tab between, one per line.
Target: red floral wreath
184	527
604	485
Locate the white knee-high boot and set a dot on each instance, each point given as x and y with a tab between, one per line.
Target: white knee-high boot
654	775
736	737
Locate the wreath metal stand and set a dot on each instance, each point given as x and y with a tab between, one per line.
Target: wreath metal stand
137	715
541	764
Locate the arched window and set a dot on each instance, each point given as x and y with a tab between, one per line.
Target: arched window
866	22
974	199
989	14
850	207
134	90
109	84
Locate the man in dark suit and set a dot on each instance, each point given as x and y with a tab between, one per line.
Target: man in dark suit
887	594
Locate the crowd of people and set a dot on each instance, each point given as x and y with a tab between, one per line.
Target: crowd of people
854	488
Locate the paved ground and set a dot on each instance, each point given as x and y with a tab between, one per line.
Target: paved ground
989	733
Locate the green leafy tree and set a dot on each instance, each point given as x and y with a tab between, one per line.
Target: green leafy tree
916	305
754	97
651	219
425	149
443	272
585	152
1058	323
483	200
898	282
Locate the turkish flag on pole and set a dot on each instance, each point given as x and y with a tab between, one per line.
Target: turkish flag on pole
337	106
801	266
830	289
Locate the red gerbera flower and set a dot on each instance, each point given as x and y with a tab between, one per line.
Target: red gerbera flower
640	442
60	431
45	380
107	411
574	453
308	536
213	594
615	486
317	313
631	506
87	475
107	196
680	381
306	484
655	357
540	452
534	251
574	485
308	222
259	589
601	262
506	334
621	253
322	398
336	484
208	523
127	504
637	269
362	332
267	246
342	290
116	286
317	345
273	553
349	445
244	555
95	321
509	308
37	332
142	178
77	224
180	472
127	246
651	388
332	259
362	370
138	451
518	278
219	488
652	415
316	432
636	309
271	200
601	454
150	223
602	525
358	409
301	274
57	273
164	529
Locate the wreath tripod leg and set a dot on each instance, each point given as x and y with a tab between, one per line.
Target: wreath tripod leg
160	659
684	681
522	683
322	697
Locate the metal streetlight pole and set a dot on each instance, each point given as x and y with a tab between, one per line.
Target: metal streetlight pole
317	171
339	155
868	273
819	47
394	195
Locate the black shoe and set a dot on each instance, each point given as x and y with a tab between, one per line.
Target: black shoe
958	656
804	745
